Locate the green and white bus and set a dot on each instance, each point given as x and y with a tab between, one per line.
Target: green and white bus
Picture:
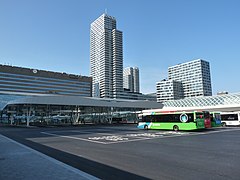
171	120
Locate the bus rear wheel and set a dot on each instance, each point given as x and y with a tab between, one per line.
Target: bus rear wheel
146	127
175	128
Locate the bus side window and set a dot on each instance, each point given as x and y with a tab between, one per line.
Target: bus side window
190	117
167	118
152	118
147	118
159	118
175	118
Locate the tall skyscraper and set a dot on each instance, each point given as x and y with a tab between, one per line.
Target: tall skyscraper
106	58
131	79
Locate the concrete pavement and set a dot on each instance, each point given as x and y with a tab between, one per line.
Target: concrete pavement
18	161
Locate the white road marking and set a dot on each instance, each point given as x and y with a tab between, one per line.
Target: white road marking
120	138
71	137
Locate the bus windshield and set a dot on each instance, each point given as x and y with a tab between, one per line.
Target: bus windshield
199	115
206	114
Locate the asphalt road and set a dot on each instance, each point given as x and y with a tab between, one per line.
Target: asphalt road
125	152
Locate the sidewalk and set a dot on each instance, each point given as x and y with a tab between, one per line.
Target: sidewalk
21	162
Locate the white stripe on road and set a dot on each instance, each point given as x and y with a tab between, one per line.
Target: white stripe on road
138	137
71	137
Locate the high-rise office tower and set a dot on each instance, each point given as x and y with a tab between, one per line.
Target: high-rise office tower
195	77
188	79
106	58
169	90
131	79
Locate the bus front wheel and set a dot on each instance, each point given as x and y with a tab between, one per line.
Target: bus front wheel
146	127
224	124
175	128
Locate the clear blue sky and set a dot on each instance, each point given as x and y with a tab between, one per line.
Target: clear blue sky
54	35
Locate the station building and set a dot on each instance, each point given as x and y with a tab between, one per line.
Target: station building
38	97
29	109
27	80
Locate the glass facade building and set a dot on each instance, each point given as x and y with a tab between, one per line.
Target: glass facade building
188	79
169	90
43	110
26	80
195	77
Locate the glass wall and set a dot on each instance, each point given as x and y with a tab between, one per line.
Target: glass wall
45	115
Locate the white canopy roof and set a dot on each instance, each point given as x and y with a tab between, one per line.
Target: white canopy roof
86	101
